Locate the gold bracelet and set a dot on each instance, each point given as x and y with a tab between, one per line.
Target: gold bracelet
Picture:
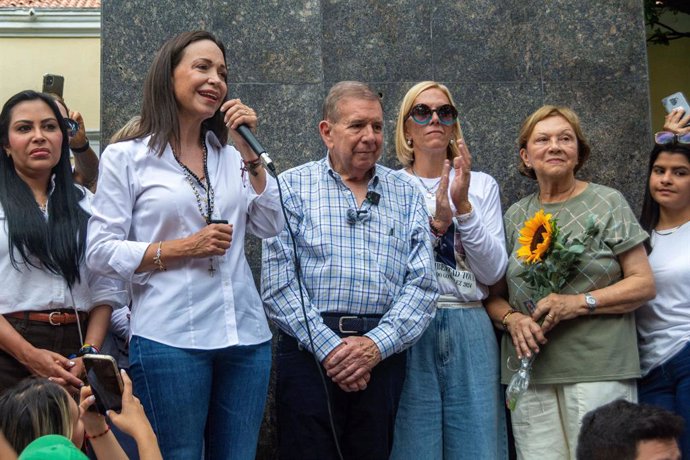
157	258
504	320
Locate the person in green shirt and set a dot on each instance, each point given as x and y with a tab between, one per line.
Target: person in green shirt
584	335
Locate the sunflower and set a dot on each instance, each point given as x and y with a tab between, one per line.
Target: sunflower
535	238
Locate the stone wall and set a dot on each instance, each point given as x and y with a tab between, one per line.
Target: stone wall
501	59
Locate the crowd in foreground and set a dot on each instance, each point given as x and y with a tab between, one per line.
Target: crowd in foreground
387	287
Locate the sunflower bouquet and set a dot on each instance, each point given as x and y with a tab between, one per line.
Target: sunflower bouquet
550	257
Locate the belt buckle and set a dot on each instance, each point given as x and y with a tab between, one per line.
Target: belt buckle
50	318
340	325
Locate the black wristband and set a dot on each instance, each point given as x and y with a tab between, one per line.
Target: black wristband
81	149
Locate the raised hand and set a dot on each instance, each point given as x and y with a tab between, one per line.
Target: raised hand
459	188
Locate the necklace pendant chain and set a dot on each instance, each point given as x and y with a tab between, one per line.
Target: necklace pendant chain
430	191
192	179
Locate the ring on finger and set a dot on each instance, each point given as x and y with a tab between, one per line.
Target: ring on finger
550	316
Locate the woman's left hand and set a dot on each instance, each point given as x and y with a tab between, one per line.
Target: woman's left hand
555	308
459	188
236	114
677	121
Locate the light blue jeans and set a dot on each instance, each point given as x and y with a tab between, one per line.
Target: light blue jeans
197	397
452	401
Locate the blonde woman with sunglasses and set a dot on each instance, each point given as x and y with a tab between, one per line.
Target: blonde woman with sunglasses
451	405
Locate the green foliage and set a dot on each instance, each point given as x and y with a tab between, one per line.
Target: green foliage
559	262
660	33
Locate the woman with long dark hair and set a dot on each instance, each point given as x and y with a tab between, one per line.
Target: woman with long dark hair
173	205
663	323
52	306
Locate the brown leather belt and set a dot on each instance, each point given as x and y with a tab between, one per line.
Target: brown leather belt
54	318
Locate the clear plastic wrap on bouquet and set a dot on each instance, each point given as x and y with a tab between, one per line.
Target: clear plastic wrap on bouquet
519	382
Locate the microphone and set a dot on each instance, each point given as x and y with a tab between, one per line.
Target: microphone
249	137
373	198
354	215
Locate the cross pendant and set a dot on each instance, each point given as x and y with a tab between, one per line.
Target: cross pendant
211	268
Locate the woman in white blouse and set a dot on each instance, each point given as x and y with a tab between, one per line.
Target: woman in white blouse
173	205
53	309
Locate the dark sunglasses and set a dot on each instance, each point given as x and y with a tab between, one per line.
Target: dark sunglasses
422	114
72	127
667	138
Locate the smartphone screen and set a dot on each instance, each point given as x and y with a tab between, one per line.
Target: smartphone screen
105	381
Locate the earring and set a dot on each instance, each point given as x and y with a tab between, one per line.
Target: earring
452	141
409	142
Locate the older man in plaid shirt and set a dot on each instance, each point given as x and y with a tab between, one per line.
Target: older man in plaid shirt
364	291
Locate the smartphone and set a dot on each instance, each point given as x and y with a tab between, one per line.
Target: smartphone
106	384
53	84
676	100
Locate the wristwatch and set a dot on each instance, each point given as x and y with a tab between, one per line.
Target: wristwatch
591	302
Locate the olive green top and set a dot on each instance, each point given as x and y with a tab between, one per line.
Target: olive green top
587	348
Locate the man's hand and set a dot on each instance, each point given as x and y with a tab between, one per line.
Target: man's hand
350	364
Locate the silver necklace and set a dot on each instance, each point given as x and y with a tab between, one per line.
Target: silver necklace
430	191
669	231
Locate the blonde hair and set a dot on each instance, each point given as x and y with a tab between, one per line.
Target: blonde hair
404	152
127	130
541	114
33	408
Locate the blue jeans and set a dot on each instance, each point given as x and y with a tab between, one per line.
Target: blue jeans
202	398
668	386
452	402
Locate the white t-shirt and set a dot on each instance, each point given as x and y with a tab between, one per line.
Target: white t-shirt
663	324
474	256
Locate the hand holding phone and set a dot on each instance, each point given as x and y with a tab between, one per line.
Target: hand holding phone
676	101
106	383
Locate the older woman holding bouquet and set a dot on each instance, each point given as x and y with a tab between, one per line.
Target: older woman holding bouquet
451	401
589	244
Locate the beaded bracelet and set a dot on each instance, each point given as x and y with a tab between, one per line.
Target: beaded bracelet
107	428
157	258
252	166
504	320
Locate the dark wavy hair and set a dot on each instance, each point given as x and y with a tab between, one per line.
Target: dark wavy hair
57	245
649	217
33	408
159	107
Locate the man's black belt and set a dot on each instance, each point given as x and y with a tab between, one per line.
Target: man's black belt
344	323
